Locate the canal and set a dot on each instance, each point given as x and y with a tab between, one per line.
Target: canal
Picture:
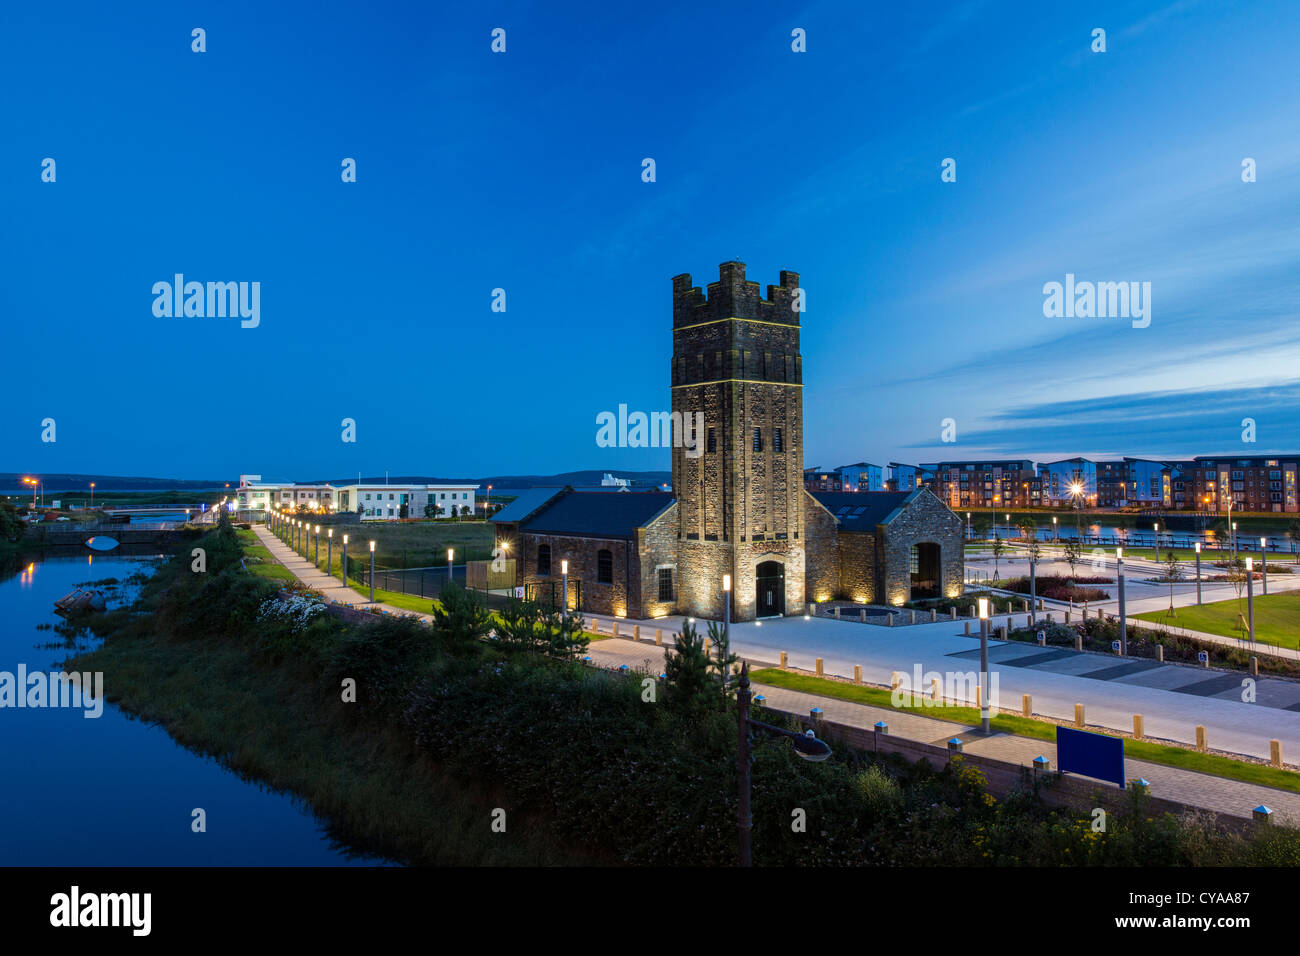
111	790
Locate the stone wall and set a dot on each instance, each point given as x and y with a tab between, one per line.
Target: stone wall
924	519
656	547
617	598
821	552
859	574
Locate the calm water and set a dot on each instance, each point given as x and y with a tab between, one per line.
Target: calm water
111	790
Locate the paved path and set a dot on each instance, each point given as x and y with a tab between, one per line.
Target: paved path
756	643
1196	789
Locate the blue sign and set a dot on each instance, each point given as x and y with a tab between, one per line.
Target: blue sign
1093	755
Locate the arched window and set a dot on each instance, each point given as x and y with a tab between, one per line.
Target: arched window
543	559
604	566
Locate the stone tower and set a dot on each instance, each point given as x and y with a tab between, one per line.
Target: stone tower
740	501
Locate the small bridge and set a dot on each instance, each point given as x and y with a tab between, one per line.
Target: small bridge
75	533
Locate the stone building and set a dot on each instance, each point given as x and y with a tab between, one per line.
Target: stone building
739	507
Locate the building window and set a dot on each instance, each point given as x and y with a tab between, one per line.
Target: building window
712	441
543	559
665	584
776	440
758	439
604	566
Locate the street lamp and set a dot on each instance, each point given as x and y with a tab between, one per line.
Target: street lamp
564	586
1198	572
726	620
984	664
1156	553
92	496
329	551
450	551
1263	562
1123	619
1250	597
806	745
316	560
372	572
344	561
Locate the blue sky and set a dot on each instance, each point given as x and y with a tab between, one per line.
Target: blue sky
523	171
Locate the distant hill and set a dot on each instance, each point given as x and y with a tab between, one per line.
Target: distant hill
517	482
12	482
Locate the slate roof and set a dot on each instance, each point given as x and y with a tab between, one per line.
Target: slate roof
525	503
595	515
863	510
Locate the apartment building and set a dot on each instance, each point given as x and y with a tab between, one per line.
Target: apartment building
1012	483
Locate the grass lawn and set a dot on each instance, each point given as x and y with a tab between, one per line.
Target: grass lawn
1037	729
415	545
1277	618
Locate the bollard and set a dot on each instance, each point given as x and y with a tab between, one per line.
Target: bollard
967	630
815	714
1200	738
1117	647
1067	617
1042	638
862	615
1254	665
812	608
1026	705
1002	632
955	745
819	667
614	628
1029	620
934	615
1261	814
1137	726
936	690
954	613
1078	642
659	636
1078	715
837	612
636	632
1160	653
1203	657
857	673
890	620
1041	765
1275	753
895	679
783	661
882	727
979	697
911	619
1024	604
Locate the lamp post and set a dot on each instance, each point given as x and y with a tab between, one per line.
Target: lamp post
1156	553
344	561
1056	531
1250	597
372	571
1198	572
1033	583
564	586
1263	562
726	620
806	745
92	496
970	534
984	664
450	552
316	559
329	551
1123	618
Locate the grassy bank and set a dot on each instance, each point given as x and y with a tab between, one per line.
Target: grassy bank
1166	754
1277	618
269	717
417	544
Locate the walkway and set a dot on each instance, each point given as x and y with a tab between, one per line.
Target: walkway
1226	796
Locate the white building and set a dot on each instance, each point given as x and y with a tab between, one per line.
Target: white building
384	502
